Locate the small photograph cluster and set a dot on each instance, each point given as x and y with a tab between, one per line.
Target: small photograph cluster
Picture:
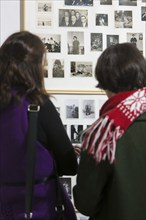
81	30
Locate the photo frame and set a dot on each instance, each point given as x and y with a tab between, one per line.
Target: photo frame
73	50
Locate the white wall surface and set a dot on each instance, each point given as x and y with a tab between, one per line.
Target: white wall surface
9	18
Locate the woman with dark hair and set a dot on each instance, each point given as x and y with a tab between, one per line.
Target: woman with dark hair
111	178
22	58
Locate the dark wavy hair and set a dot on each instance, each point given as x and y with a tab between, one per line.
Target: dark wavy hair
21	68
121	67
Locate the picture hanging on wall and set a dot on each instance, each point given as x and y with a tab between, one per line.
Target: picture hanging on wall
76	32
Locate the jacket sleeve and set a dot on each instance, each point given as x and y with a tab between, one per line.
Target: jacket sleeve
53	136
91	181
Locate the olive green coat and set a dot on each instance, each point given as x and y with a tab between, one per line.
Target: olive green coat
117	191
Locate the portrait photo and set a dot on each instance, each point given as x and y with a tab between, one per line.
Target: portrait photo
75	42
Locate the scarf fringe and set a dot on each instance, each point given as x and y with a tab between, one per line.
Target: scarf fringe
109	134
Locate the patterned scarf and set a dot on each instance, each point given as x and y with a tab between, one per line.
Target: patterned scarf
116	115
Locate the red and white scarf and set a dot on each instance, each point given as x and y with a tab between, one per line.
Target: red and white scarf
116	115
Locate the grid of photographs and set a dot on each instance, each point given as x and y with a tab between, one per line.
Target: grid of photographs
75	32
77	112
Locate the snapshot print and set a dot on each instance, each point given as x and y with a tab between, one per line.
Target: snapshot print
67	184
52	42
112	40
88	108
128	2
105	2
75	133
123	19
44	14
75	43
73	18
96	42
81	69
136	39
101	19
72	108
58	68
143	13
79	2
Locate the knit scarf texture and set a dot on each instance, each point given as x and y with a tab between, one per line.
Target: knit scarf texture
116	115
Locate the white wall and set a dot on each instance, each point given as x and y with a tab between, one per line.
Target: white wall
9	18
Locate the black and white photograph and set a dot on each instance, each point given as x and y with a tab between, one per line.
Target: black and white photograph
73	18
105	2
67	184
96	42
81	69
101	19
45	6
79	2
75	43
143	13
112	40
72	108
58	68
123	19
52	42
128	2
44	21
88	108
75	133
136	39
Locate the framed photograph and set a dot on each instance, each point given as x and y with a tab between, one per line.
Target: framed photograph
76	32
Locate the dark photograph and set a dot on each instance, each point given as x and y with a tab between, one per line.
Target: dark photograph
101	20
76	131
79	2
66	182
96	42
112	40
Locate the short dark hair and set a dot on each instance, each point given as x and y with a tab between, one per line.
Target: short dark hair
21	68
121	67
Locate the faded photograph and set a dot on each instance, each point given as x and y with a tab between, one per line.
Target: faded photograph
136	39
44	6
73	18
75	43
101	19
81	69
88	109
66	182
96	42
72	108
44	21
123	19
58	68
